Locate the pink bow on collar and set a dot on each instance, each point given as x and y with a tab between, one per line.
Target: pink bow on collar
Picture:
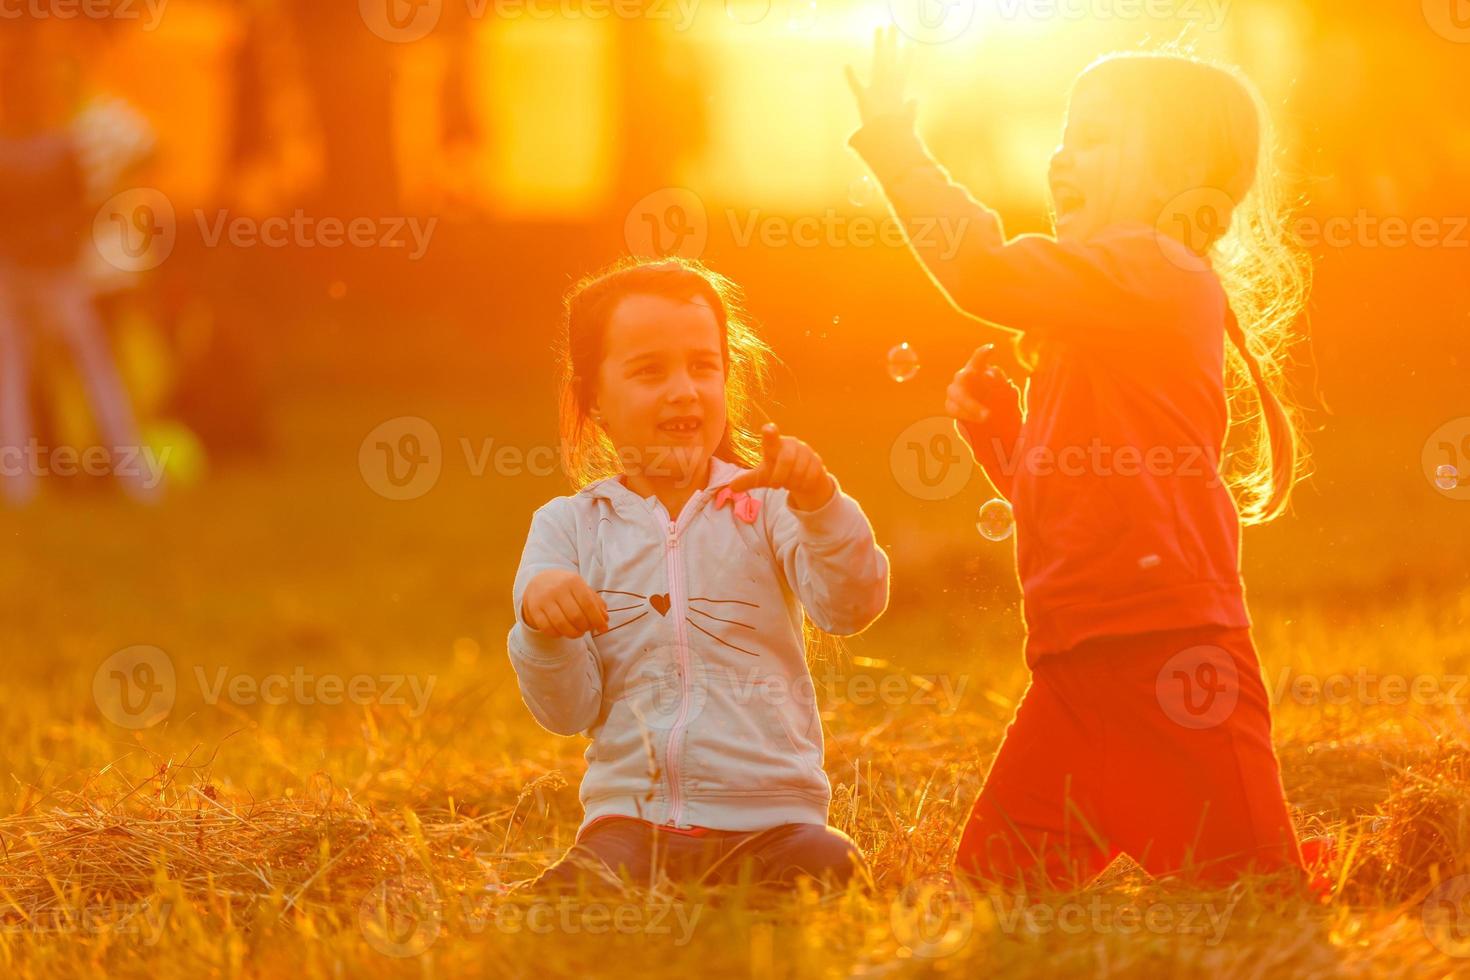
743	504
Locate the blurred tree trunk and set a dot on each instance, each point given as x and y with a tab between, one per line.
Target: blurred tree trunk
662	119
348	70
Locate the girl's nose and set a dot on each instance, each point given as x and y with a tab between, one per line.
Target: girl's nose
682	387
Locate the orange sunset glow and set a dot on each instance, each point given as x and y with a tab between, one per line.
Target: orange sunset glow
790	488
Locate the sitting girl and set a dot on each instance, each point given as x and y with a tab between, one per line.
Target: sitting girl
660	608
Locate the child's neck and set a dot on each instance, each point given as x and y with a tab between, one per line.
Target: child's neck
672	492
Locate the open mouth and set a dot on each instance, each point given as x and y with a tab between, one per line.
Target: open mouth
683	424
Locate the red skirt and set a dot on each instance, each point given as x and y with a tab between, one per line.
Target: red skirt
1155	745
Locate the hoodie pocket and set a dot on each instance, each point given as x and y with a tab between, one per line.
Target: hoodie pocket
746	743
803	747
627	754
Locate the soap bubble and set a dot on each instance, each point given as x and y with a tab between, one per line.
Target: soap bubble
862	192
903	363
996	521
1444	457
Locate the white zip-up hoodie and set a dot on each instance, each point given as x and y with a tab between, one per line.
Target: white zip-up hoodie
698	700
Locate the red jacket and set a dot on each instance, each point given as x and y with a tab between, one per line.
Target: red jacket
1123	524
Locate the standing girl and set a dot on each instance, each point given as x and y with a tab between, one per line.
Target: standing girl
1145	729
660	608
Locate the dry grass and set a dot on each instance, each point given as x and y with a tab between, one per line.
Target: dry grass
370	839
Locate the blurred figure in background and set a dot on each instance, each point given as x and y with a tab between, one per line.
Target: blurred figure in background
53	175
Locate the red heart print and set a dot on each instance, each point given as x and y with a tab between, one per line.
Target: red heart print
661	603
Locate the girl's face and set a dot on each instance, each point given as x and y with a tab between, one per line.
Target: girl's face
1101	174
661	385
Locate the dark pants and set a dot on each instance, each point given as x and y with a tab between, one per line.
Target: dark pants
615	847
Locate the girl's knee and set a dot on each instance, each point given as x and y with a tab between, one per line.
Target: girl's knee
827	853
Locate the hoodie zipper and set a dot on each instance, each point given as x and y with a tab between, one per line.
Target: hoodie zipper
681	644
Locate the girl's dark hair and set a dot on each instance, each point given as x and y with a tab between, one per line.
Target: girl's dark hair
587	453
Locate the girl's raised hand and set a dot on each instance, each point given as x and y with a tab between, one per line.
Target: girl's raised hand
884	93
788	462
559	601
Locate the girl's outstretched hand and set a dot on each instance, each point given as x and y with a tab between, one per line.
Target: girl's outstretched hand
884	93
788	462
983	400
559	601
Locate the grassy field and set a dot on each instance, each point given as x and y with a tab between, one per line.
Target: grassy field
361	823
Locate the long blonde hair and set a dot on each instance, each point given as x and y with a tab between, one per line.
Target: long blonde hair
1211	142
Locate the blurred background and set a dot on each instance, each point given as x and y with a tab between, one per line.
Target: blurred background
309	257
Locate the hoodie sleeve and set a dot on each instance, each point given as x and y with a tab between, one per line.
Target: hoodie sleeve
560	679
1031	282
831	561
